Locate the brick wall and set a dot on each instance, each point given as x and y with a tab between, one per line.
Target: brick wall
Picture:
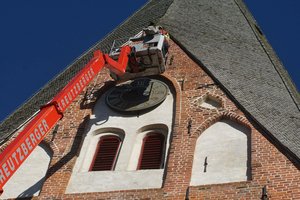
269	166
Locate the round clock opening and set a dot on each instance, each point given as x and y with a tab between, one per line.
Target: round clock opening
137	95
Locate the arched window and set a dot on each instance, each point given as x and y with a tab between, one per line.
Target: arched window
151	156
106	153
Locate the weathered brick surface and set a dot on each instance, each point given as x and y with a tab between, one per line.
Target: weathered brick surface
189	82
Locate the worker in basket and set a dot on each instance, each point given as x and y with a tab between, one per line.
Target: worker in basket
167	38
135	63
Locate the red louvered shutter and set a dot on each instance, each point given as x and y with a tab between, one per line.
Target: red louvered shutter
152	152
106	153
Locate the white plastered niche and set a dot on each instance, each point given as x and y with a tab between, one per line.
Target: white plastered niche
221	154
131	129
29	178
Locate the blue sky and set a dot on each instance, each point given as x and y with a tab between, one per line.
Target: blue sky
38	39
280	22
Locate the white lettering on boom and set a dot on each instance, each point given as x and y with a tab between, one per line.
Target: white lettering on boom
12	162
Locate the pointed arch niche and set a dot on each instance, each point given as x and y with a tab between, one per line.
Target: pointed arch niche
222	154
29	178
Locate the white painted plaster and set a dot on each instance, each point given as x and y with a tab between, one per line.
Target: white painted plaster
104	181
29	178
226	148
132	128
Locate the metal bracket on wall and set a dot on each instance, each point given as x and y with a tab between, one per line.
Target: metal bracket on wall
264	195
171	60
189	126
187	193
205	164
205	85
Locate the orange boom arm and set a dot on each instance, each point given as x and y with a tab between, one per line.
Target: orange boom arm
18	150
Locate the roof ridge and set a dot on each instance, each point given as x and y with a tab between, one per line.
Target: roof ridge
273	57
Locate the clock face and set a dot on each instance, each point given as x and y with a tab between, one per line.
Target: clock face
137	95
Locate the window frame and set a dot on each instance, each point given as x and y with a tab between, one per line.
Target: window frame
97	151
162	160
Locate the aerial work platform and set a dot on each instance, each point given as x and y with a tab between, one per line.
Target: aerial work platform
149	51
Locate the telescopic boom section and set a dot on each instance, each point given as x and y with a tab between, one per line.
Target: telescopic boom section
20	148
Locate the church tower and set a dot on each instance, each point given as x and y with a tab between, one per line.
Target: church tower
221	122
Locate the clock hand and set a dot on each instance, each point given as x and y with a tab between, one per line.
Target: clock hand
148	90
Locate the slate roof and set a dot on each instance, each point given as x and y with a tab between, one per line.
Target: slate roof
222	36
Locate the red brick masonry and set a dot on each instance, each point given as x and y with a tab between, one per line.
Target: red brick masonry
269	166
